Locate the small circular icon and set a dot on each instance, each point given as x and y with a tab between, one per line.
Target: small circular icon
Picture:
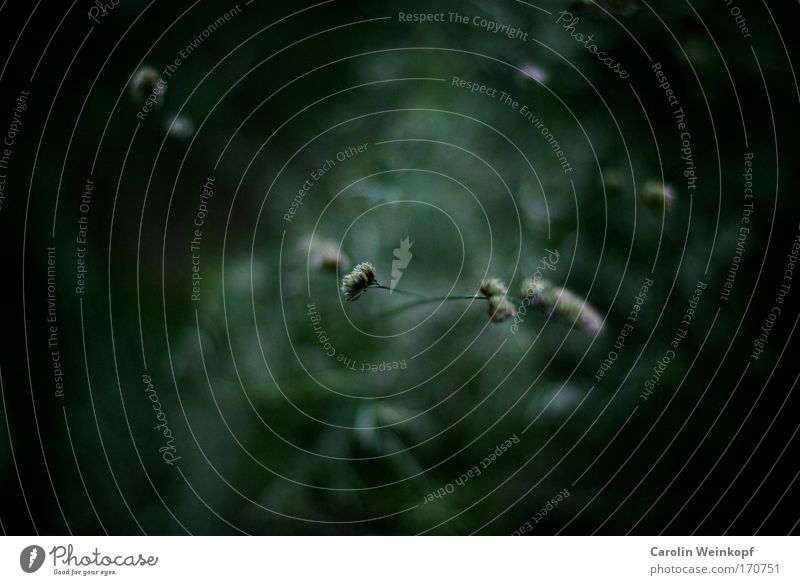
31	558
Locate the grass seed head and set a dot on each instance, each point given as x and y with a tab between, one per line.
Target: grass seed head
145	83
562	304
538	291
657	196
493	286
325	255
500	308
179	127
356	282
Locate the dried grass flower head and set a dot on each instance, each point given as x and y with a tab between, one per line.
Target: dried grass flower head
658	196
494	286
326	255
147	84
358	280
500	308
563	304
537	291
179	127
531	71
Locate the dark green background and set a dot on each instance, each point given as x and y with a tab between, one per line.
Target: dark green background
255	457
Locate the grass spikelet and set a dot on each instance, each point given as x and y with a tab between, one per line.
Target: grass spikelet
356	282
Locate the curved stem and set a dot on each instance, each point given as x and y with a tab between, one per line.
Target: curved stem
421	300
424	299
